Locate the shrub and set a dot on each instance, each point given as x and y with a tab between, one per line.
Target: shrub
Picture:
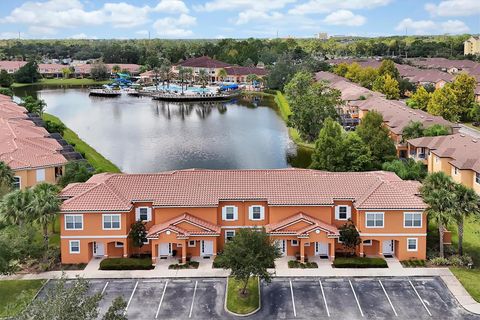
188	265
126	264
454	260
438	261
270	91
413	263
6	92
358	262
297	264
216	262
55	127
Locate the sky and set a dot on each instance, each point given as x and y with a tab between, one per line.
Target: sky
100	19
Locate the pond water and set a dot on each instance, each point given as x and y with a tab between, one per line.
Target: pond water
142	135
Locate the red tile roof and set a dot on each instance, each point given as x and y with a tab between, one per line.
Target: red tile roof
245	71
203	62
206	188
313	224
172	224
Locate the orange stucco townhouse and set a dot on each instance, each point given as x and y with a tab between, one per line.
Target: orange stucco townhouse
193	213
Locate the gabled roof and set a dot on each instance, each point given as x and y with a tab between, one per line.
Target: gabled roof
245	71
172	225
282	227
203	62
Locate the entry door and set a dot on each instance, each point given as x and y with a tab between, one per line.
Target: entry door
321	249
98	250
207	247
388	247
282	244
165	249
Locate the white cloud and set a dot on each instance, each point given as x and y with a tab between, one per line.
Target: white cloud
344	18
170	27
171	6
124	15
257	5
41	31
245	17
326	6
432	27
454	8
455	26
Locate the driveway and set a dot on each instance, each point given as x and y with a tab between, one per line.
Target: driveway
285	298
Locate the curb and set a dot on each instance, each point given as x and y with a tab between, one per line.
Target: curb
246	314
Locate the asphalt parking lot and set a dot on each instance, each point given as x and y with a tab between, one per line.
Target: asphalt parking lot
285	298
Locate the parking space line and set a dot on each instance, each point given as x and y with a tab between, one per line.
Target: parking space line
130	300
104	288
324	299
355	295
388	298
193	299
161	299
293	300
420	298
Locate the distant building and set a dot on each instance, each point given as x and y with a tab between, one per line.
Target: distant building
471	46
322	36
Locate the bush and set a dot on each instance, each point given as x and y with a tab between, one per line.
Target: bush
270	91
126	264
454	260
358	262
216	262
188	265
6	92
440	261
413	263
55	127
298	265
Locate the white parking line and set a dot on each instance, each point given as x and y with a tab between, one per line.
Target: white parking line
293	300
324	299
193	299
161	300
104	288
130	300
420	298
388	298
355	295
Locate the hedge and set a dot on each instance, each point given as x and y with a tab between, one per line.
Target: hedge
188	265
357	262
126	264
295	264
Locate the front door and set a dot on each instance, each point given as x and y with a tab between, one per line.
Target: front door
98	249
321	249
282	245
388	248
206	247
165	249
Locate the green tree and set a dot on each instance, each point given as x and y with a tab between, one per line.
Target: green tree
436	130
420	99
329	148
463	87
99	72
34	105
357	155
6	79
388	86
44	206
6	92
117	310
66	72
6	179
388	68
203	77
373	133
443	103
251	78
28	73
367	77
281	73
17	245
438	192
116	69
15	207
53	127
475	113
75	171
405	87
408	169
466	205
350	236
341	69
138	234
222	74
249	254
414	129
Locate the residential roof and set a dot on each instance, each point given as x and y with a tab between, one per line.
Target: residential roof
442	63
349	91
203	62
172	224
244	71
464	150
282	227
11	65
206	188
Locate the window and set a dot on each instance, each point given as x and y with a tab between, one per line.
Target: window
256	213
73	222
192	243
412	244
454	170
294	243
477	177
374	219
147	241
412	220
40	175
75	246
17	182
229	234
118	244
143	214
342	212
229	213
111	222
367	243
437	159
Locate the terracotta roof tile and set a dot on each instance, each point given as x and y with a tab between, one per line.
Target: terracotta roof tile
277	227
208	228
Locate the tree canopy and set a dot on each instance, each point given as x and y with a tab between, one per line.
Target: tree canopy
27	73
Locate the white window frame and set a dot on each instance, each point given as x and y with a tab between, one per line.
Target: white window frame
348	212
138	214
416	244
294	245
226	235
119	246
375	220
477	178
111	223
146	241
19	182
412	213
40	175
454	170
72	216
251	212
190	243
224	213
70	246
368	244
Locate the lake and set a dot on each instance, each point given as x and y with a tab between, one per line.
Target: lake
143	135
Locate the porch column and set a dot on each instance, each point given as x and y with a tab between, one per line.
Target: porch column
184	251
125	248
362	254
302	250
331	255
215	240
105	249
153	243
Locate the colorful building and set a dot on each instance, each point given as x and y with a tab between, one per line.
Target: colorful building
193	213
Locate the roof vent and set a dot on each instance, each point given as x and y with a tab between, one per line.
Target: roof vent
462	135
474	141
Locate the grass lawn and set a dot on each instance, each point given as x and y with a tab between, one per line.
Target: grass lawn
99	162
16	294
239	304
470	279
61	81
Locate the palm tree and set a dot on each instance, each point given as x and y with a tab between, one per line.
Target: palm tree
203	77
182	73
6	179
156	73
251	78
45	205
467	204
438	193
189	75
15	207
116	69
222	74
66	73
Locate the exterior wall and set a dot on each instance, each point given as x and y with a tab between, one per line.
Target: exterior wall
465	177
476	186
28	178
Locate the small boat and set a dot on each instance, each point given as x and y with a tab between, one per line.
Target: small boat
105	93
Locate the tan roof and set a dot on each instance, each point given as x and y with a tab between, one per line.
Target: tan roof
463	149
23	145
350	91
442	63
203	62
206	188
